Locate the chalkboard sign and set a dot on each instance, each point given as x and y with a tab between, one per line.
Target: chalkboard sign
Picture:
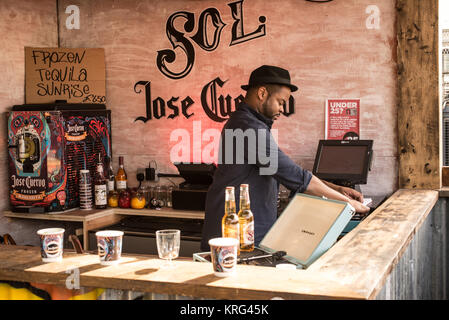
76	75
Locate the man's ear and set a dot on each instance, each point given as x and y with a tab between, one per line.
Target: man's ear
262	93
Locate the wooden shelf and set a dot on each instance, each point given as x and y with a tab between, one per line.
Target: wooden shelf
72	215
93	219
164	212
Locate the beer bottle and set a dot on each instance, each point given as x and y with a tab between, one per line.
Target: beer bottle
100	187
121	178
246	220
230	222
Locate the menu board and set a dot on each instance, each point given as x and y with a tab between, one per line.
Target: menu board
73	74
342	119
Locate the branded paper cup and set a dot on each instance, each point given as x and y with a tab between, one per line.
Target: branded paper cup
109	244
52	244
224	256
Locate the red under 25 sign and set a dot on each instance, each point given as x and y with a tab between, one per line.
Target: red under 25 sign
342	119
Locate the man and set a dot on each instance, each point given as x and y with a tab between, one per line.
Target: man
259	162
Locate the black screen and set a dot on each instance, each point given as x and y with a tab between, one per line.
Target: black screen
344	162
342	159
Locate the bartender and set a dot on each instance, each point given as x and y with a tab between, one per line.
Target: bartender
267	93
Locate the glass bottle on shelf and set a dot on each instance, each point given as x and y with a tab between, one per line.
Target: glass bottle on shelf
121	178
100	186
230	227
109	174
246	220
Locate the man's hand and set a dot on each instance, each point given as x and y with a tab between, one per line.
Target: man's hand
351	193
356	199
358	206
329	190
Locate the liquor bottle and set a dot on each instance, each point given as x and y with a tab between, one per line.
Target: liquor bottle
110	174
246	220
100	187
120	177
230	223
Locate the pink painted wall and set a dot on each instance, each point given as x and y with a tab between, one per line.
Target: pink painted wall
22	23
327	47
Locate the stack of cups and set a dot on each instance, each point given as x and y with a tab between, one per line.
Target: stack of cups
85	189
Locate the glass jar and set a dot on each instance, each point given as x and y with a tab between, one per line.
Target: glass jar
147	193
113	198
159	196
169	196
138	199
124	200
163	196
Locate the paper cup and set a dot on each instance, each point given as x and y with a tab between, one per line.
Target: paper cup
52	244
109	244
224	256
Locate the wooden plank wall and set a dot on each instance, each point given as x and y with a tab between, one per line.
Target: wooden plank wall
422	272
418	106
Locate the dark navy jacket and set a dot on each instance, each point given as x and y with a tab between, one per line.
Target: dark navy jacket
249	162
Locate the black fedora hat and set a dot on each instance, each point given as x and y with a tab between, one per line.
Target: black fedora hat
269	75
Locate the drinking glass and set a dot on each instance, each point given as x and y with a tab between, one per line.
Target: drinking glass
168	242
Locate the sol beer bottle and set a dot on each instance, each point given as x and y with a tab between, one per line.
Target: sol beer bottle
121	178
230	222
100	187
246	220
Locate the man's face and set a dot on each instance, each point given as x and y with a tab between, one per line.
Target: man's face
275	102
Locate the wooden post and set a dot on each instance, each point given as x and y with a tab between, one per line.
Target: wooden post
418	107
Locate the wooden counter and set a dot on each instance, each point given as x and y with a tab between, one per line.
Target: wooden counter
188	278
356	267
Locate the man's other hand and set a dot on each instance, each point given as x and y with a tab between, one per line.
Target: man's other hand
351	193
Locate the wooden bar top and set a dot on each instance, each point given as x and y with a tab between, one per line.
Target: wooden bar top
143	273
356	267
